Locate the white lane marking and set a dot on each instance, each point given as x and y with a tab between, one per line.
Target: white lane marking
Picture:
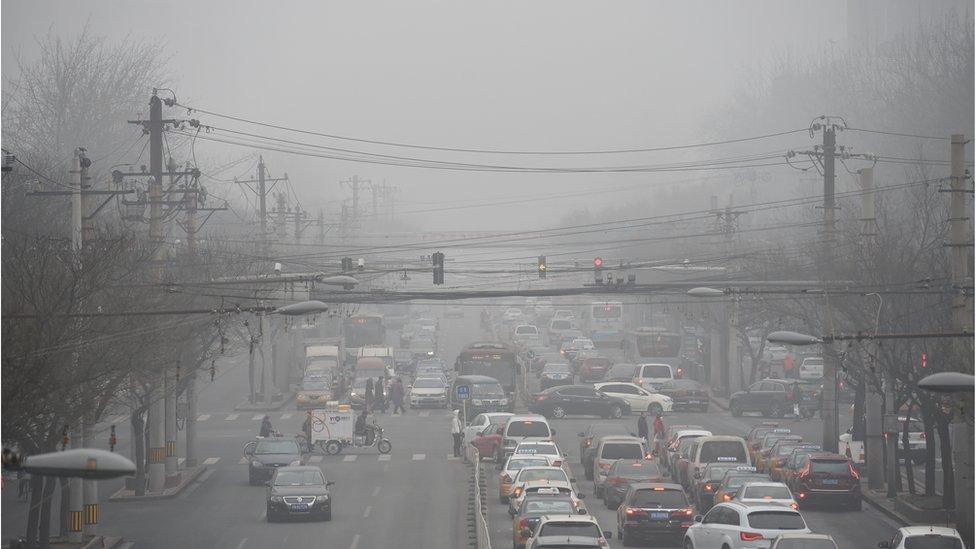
180	461
211	461
350	457
316	459
232	417
355	542
257	417
243	541
424	413
384	457
285	416
243	460
376	491
369	509
203	417
419	457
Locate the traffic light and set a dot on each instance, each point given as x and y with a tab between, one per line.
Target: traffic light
598	270
542	266
438	260
346	264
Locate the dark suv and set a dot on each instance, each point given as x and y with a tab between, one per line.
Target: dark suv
654	510
827	478
769	396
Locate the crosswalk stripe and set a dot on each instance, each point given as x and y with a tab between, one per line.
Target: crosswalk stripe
384	457
285	416
231	417
211	461
203	417
316	459
350	457
180	461
424	413
257	417
419	457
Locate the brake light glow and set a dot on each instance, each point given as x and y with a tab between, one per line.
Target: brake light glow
540	398
854	472
806	470
750	536
795	507
523	525
726	497
681	513
709	487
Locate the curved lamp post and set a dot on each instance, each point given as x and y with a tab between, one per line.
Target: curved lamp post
792	338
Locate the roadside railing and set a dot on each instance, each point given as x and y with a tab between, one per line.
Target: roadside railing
477	504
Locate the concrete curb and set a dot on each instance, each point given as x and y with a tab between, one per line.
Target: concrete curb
189	476
103	542
875	501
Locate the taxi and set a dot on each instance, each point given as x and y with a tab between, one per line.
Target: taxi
768	441
508	472
531	479
780	453
548	449
546	501
314	393
705	484
756	434
733	480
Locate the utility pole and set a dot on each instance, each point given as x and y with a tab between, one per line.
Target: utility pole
262	195
169	389
874	439
157	442
281	216
727	221
321	225
961	431
75	495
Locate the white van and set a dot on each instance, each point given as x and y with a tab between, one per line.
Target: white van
653	374
717	449
812	367
609	450
521	428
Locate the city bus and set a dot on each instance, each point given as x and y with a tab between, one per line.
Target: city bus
490	359
654	345
606	323
361	331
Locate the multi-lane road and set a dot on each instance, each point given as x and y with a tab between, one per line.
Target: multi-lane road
415	497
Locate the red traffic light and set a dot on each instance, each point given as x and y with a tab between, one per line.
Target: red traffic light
598	262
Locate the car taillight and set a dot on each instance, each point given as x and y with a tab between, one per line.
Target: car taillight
523	525
682	513
587	441
633	512
794	506
805	472
922	436
709	487
750	536
854	472
727	497
540	398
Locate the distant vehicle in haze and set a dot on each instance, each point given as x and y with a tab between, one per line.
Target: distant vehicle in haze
606	323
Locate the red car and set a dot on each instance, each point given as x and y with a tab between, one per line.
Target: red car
594	368
488	441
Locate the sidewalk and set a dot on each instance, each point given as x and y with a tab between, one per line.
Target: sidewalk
188	477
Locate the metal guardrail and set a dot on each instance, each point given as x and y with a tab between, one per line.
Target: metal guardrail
482	538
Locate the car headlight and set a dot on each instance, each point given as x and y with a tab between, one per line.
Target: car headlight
320	499
276	499
256	463
476	402
295	463
302	396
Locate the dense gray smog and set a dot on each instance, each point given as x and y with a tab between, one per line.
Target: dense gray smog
447	275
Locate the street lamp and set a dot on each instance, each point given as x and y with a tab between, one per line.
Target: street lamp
347	282
303	308
705	292
792	338
961	437
85	463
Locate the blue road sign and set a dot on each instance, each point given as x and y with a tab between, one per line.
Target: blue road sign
463	392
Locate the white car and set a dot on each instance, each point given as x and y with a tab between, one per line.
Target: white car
924	536
510	470
531	479
480	421
638	397
766	493
653	374
803	541
812	367
568	531
429	391
734	525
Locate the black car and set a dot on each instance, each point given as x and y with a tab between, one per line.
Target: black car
267	455
686	394
581	400
654	510
554	374
485	394
300	491
771	397
623	474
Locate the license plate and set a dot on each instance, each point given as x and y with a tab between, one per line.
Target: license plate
830	481
298	507
657	515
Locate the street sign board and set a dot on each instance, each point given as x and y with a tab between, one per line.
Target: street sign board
463	392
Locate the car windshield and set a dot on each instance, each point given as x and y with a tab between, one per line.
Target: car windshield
528	429
736	482
559	529
659	499
731	451
487	389
548	507
561	325
766	492
540	449
276	447
622	450
299	478
830	467
314	386
528	475
636	469
932	541
776	520
656	372
517	464
621	370
428	383
806	544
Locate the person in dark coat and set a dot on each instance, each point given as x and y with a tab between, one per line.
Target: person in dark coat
369	393
380	396
397	394
642	430
265	427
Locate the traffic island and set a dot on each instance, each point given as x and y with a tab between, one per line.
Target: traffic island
186	478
